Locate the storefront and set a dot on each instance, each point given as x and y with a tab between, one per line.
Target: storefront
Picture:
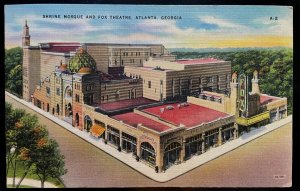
113	136
282	112
193	145
172	154
128	143
148	153
87	123
227	132
273	115
211	138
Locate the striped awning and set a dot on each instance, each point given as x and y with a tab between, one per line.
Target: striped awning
97	130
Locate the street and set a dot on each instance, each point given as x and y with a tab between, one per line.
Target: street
264	162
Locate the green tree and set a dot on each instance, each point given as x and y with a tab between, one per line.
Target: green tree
27	155
13	58
275	68
22	132
12	118
14	82
48	161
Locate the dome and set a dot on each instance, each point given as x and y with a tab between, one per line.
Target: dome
82	60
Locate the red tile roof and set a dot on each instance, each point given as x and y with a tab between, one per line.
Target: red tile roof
264	99
199	61
134	119
62	47
125	104
189	116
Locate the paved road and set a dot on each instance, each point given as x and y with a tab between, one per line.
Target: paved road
254	164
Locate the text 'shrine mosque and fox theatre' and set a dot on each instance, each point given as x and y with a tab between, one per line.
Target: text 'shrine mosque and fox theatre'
139	99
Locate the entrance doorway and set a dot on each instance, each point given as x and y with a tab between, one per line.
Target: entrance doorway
77	119
68	110
87	123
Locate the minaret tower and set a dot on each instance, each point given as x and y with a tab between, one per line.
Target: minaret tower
26	36
234	102
234	94
255	86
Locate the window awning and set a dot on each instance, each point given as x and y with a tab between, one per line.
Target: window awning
97	130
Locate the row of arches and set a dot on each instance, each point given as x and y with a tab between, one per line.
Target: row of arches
147	152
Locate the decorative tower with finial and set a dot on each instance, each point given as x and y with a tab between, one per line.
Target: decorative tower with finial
234	101
233	93
255	86
26	36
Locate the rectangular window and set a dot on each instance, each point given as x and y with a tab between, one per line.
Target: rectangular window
228	77
77	97
149	84
58	91
48	91
209	79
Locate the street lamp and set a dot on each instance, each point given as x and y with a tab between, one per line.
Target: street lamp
12	151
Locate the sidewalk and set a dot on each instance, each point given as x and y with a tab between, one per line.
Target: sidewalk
175	170
31	182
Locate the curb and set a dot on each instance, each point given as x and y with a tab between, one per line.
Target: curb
174	171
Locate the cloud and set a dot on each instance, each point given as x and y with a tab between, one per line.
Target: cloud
222	23
167	32
282	26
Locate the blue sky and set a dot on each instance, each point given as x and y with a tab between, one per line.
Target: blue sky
200	26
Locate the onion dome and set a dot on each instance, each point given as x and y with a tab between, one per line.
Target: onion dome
82	62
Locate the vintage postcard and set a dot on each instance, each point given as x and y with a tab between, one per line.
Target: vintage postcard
148	95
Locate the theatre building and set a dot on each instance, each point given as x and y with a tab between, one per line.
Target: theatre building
140	100
169	80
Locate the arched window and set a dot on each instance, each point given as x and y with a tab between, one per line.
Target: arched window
172	146
171	154
148	153
68	92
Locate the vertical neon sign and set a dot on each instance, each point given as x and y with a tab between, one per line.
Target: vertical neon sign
243	94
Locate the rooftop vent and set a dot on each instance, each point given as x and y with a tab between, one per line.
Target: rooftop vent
184	104
169	107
